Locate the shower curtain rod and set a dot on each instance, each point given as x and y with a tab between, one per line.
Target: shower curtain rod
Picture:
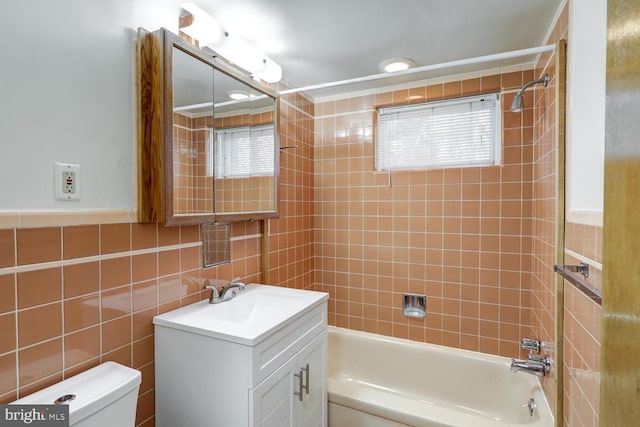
432	67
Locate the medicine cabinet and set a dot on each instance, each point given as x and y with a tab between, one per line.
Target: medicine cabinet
208	139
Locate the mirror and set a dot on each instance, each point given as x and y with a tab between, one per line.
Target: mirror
208	137
192	84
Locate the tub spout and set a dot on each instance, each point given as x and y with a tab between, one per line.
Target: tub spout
534	365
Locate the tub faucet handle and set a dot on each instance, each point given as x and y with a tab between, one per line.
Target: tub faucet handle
530	344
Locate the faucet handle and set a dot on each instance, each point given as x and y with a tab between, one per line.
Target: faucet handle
530	344
215	296
236	280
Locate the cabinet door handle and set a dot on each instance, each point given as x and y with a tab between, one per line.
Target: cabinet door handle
306	374
299	376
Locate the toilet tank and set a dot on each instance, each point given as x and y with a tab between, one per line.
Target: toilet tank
105	396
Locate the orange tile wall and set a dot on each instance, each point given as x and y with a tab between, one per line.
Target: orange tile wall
543	303
582	330
291	237
460	236
74	297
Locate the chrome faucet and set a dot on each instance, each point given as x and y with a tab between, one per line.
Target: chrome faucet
534	365
228	292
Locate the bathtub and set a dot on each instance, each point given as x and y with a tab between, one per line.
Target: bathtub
377	381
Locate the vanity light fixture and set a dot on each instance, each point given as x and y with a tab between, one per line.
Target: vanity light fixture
209	32
396	64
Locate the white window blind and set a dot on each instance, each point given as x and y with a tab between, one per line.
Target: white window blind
455	133
244	151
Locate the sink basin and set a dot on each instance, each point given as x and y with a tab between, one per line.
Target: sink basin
252	315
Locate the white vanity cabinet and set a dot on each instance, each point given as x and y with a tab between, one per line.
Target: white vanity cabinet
296	393
257	362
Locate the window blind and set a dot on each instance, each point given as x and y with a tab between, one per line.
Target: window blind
456	133
244	151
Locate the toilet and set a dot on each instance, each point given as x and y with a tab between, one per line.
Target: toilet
104	396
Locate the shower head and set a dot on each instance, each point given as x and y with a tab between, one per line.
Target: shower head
517	106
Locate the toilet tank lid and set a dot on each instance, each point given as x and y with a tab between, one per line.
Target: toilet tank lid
95	389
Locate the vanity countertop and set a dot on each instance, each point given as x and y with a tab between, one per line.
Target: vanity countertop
254	314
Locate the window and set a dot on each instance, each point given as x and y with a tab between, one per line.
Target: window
244	151
454	133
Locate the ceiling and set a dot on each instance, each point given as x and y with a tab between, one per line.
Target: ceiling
330	40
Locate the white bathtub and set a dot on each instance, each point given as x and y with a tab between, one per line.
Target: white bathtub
377	381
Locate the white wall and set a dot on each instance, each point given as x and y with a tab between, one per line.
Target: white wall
67	95
586	105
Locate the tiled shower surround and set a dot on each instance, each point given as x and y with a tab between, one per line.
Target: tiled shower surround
460	236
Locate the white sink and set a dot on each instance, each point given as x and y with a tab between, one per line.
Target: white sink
246	319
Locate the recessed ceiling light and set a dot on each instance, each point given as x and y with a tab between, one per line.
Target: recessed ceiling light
238	95
396	64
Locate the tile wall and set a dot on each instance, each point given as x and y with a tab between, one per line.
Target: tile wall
582	329
291	237
74	297
461	236
543	285
581	341
544	190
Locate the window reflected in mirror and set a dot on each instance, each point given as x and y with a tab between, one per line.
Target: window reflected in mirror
245	148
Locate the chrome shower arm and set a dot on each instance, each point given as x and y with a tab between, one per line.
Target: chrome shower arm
544	81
